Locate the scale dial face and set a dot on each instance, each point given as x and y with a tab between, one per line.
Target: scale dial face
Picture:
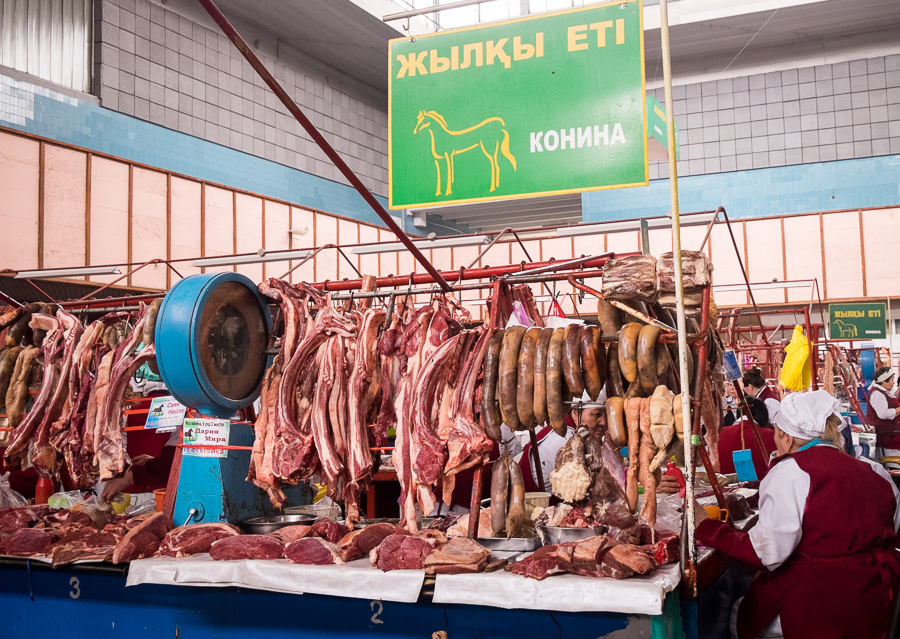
232	340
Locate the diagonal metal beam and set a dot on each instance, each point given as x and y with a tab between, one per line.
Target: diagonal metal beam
219	18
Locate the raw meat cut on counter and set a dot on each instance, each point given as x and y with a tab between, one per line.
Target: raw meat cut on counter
29	542
313	551
359	543
246	547
399	552
142	540
194	539
457	556
86	544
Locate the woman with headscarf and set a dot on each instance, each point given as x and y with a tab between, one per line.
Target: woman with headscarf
883	412
825	544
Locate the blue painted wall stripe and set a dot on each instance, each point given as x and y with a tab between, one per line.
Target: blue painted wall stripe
802	188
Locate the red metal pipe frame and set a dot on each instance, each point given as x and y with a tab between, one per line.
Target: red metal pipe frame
317	137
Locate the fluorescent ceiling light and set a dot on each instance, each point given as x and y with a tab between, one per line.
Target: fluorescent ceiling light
233	260
632	225
83	271
443	242
763	286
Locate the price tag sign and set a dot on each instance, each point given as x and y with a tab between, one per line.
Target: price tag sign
732	369
166	414
743	465
206	432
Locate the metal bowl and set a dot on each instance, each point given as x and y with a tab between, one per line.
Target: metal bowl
516	544
265	525
560	535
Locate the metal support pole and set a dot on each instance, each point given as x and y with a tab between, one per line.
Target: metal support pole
267	77
683	354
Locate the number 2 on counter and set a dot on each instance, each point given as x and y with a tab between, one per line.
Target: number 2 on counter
377	608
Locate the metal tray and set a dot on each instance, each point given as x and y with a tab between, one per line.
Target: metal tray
559	535
516	544
265	525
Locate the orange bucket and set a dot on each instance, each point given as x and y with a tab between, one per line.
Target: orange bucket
160	494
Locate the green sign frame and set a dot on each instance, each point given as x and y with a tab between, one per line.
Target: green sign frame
857	322
541	105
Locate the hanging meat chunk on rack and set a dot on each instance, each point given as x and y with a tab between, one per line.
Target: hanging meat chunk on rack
293	310
67	432
50	352
293	451
431	449
17	394
44	456
412	341
110	450
360	457
468	444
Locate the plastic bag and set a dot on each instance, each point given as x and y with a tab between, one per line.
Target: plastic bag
64	500
796	374
8	497
519	317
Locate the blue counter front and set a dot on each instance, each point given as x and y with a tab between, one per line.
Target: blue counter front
85	603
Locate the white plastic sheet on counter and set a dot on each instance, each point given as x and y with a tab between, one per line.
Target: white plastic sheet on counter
357	579
641	595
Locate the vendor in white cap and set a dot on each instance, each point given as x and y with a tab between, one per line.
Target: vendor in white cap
826	540
883	412
588	413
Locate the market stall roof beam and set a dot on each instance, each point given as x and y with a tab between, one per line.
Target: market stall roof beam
267	77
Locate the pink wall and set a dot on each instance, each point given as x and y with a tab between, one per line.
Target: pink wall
108	214
86	206
19	179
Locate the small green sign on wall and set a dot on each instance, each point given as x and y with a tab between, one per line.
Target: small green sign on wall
541	105
857	321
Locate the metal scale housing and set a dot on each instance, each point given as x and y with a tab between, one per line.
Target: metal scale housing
211	335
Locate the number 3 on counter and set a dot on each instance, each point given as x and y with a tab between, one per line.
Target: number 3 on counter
75	593
377	608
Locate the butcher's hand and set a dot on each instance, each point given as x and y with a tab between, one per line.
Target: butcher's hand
115	486
140	460
700	514
668	485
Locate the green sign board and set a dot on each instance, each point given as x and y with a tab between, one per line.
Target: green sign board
857	321
657	132
542	105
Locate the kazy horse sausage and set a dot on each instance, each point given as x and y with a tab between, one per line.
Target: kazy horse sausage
517	521
540	377
609	316
8	357
600	354
646	358
593	380
662	361
525	377
614	385
572	360
490	415
499	494
19	329
509	359
615	421
628	342
633	422
556	410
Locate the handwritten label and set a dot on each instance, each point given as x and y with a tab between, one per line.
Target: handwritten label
166	414
206	432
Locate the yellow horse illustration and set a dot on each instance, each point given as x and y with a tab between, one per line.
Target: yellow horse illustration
489	136
844	329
